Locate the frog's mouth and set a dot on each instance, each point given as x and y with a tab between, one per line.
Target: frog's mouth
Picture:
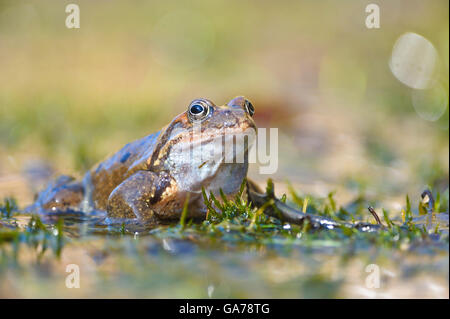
229	145
206	151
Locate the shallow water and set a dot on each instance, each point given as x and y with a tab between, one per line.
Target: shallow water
118	260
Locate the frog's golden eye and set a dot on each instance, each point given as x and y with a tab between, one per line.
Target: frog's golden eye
249	107
198	110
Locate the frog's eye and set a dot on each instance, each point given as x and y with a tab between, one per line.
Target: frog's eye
198	110
249	107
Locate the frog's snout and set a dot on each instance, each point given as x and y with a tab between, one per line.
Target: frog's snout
247	106
244	103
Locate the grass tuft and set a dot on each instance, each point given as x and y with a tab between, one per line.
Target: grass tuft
9	207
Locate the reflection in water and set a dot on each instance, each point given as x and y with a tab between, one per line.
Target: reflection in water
173	263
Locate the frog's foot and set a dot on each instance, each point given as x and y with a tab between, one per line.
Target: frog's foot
138	196
62	195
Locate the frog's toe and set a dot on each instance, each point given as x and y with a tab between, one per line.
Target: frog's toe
67	197
61	195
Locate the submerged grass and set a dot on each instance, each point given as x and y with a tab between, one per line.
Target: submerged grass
35	235
9	207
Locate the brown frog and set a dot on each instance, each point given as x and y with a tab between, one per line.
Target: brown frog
151	178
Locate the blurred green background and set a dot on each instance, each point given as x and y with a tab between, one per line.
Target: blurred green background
347	123
69	97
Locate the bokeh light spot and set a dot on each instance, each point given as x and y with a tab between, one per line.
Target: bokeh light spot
414	61
430	104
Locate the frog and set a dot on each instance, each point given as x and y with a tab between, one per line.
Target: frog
155	177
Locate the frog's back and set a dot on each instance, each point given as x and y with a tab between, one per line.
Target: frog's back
65	193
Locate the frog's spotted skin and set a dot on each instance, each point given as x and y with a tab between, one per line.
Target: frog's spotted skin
150	178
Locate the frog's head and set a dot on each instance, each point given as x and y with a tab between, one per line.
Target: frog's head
207	145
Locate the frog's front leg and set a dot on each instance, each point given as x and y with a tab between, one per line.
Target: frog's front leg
138	196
